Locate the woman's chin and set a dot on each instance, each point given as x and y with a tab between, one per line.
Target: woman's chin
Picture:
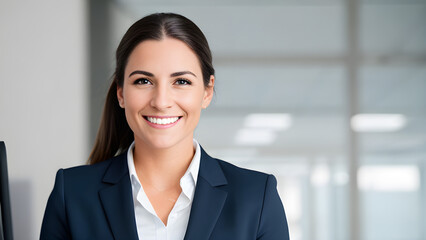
161	142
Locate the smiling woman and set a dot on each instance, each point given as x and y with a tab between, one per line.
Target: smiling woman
148	178
162	85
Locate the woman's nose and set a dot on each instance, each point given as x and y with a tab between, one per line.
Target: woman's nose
161	98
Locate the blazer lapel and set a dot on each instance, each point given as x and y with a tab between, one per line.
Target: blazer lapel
117	200
208	199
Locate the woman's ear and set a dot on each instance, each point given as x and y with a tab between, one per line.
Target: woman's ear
208	93
120	96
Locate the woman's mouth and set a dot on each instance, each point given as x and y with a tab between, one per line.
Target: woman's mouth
161	122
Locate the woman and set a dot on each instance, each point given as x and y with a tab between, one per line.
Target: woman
148	178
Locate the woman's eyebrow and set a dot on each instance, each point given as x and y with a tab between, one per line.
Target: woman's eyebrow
141	72
176	74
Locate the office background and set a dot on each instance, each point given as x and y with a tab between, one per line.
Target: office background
328	95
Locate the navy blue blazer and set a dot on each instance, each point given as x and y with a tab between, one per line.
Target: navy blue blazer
95	202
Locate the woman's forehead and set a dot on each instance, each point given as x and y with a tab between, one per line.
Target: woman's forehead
163	55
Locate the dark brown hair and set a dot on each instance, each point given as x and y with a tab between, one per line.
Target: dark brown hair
114	134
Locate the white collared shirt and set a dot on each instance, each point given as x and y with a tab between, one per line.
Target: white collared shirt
148	224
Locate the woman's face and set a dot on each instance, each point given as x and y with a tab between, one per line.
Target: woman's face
163	92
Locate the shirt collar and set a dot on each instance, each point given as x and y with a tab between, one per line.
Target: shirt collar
193	168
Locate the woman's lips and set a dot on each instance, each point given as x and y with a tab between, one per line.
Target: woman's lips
162	121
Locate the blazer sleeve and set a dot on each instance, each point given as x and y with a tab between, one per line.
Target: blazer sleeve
55	225
273	222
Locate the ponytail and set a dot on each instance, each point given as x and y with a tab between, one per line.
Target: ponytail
114	134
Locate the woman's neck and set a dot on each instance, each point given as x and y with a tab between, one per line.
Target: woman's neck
163	167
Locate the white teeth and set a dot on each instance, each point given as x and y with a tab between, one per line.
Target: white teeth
162	121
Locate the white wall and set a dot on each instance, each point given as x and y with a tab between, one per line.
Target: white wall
43	100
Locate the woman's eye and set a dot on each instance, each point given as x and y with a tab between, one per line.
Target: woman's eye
141	81
183	82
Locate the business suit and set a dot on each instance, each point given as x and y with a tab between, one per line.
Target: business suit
95	202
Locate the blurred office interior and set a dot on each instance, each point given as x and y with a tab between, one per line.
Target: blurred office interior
327	95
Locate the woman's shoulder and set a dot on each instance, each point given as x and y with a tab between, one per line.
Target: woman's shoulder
87	172
240	175
227	166
245	185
